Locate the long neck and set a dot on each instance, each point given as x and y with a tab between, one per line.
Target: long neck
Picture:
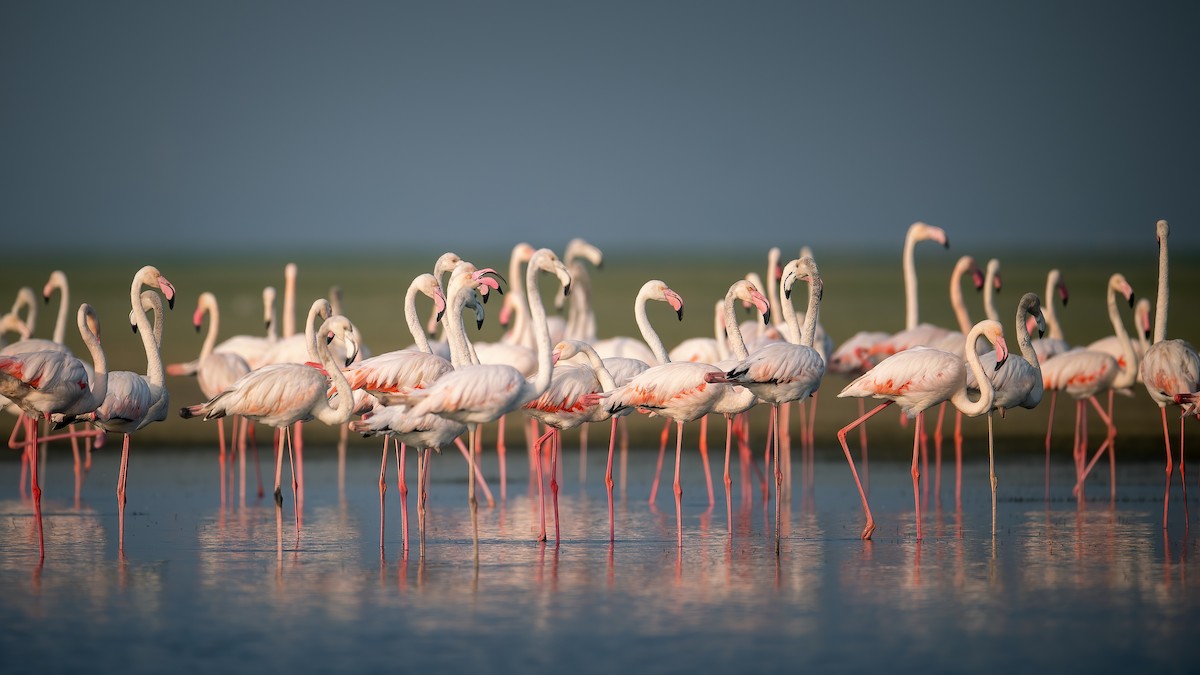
64	306
411	320
648	334
214	325
1164	293
98	387
519	333
1048	312
1128	374
730	342
960	399
1024	339
808	334
456	335
289	301
956	299
541	334
910	282
607	383
772	284
989	292
342	409
154	364
315	314
791	322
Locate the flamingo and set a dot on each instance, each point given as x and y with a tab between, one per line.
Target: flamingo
735	400
396	422
46	382
621	370
478	394
27	301
581	316
1052	344
133	401
565	404
1083	373
217	371
914	333
282	394
783	372
991	286
1016	382
650	348
1170	367
918	379
253	349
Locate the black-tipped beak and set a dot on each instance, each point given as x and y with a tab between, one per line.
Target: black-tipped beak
567	290
46	299
1131	299
267	325
947	243
767	317
679	313
1041	333
439	316
134	327
787	295
197	328
349	360
171	302
478	324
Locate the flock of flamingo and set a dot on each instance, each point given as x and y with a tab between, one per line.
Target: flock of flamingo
559	374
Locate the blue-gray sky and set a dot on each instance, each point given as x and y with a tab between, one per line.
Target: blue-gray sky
400	125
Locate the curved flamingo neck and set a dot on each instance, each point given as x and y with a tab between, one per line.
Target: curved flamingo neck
320	309
911	309
956	297
456	336
990	281
342	409
98	387
214	325
1024	339
772	285
808	334
987	394
59	280
541	331
519	333
1128	374
1164	289
1053	280
649	335
730	342
607	383
154	365
410	314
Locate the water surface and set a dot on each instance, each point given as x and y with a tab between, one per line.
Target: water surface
1083	586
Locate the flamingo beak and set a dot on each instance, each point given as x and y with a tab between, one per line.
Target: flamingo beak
1001	352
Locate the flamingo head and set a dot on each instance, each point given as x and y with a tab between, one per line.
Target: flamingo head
1118	284
923	232
445	262
674	300
994	332
993	271
58	279
545	260
1142	316
1032	305
579	248
1061	287
1160	232
802	269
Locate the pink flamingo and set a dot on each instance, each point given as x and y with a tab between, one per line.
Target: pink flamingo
479	394
217	371
47	382
1170	367
918	379
282	394
914	333
1016	382
1082	374
782	372
134	401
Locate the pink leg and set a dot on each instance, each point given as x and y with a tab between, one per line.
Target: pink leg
937	452
662	450
248	429
383	489
487	492
422	481
122	475
608	480
704	458
1182	476
555	442
403	484
279	468
502	455
678	487
221	455
728	482
778	476
295	483
870	526
1049	427
1170	464
583	443
537	463
958	443
35	488
298	478
916	473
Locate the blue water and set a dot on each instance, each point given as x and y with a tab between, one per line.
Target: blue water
1092	586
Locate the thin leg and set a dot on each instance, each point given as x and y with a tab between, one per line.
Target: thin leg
583	443
502	454
1170	466
958	454
221	455
1183	476
383	488
403	484
678	487
728	482
422	495
555	442
778	475
34	487
608	480
1049	427
916	471
870	526
662	450
1106	445
474	433
992	470
295	484
937	452
121	477
279	469
704	458
537	470
248	429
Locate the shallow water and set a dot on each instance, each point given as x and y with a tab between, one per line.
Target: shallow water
1095	586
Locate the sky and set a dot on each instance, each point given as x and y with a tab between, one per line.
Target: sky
223	126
